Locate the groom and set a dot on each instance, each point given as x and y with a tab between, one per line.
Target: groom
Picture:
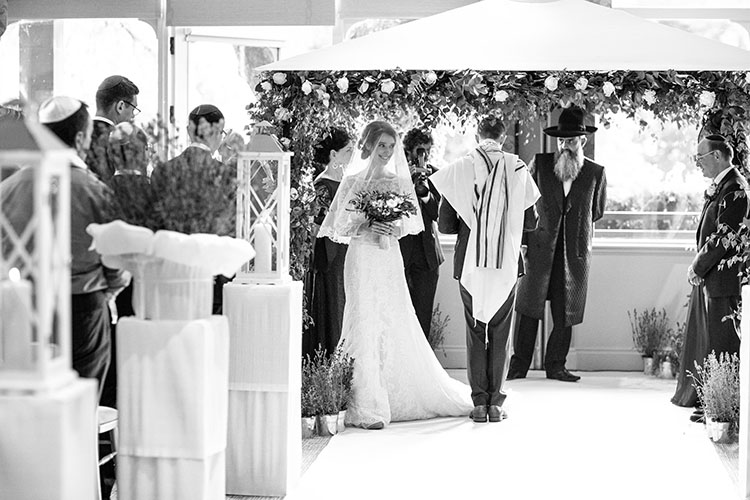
488	200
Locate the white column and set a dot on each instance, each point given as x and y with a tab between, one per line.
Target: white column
744	461
264	441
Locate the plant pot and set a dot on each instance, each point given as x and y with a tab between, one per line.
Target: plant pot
648	365
666	369
327	424
308	427
718	432
340	421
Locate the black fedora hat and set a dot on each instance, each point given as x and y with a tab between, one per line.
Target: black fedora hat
570	124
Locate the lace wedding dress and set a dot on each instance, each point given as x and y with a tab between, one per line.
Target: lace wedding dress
396	374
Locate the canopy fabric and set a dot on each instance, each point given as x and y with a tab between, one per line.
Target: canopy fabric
525	35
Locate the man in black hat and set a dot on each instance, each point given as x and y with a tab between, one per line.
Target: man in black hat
574	193
116	102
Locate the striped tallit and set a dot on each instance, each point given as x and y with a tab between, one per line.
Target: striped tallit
490	210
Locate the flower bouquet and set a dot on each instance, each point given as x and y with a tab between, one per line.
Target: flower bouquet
383	206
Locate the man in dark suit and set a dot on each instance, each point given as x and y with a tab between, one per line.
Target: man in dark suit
116	102
574	193
206	131
421	252
725	205
488	200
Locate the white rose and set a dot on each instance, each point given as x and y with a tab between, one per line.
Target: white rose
307	87
266	85
363	87
343	84
387	86
649	96
293	194
581	83
608	88
551	82
281	114
430	77
707	99
279	78
501	96
391	203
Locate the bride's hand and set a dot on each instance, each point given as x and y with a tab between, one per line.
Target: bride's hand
383	228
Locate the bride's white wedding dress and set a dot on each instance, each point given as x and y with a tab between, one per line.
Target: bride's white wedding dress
396	374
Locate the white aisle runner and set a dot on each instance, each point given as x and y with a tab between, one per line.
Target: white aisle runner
611	436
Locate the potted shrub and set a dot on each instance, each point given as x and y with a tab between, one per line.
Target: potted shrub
326	388
649	331
310	399
717	383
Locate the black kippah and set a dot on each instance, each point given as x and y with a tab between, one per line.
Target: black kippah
208	111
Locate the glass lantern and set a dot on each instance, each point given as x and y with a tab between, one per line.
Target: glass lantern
35	350
263	190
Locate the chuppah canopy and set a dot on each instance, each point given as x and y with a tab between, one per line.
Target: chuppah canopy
526	35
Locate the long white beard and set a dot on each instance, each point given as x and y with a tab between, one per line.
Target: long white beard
568	164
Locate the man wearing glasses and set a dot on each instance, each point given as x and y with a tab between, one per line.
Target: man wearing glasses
725	205
116	102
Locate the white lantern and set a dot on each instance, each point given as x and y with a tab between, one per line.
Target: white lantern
263	189
35	351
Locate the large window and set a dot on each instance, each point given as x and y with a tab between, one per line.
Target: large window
71	57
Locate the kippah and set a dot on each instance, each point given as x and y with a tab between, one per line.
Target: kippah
208	111
56	109
111	82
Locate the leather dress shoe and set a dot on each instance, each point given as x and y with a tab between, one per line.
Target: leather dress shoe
479	414
496	413
514	374
698	416
375	427
564	375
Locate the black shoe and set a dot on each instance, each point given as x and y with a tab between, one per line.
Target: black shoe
375	427
698	416
564	375
514	374
479	414
496	413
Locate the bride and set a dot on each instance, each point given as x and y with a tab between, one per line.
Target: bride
396	374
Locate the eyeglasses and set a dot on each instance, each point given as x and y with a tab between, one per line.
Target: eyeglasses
696	158
135	108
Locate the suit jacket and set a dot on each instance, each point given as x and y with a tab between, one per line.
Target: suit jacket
97	158
423	249
574	215
728	206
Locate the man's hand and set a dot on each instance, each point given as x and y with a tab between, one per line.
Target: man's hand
693	278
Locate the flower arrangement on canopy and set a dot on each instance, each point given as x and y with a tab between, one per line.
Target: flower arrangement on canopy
301	104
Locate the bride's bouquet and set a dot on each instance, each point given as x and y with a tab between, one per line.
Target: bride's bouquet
383	206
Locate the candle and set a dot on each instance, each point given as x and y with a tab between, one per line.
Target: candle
263	243
15	317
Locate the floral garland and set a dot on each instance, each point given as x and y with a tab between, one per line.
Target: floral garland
302	104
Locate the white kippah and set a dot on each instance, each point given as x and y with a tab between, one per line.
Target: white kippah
58	108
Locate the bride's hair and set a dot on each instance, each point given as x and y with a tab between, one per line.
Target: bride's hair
371	134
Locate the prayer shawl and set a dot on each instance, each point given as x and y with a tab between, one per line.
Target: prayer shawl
480	197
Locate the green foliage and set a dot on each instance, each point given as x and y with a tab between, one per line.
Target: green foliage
438	326
326	382
302	104
717	383
650	331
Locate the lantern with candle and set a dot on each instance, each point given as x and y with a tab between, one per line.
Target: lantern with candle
263	187
35	350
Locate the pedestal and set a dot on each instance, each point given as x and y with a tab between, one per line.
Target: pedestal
172	400
264	446
48	444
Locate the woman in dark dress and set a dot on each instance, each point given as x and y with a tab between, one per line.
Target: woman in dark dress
325	291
